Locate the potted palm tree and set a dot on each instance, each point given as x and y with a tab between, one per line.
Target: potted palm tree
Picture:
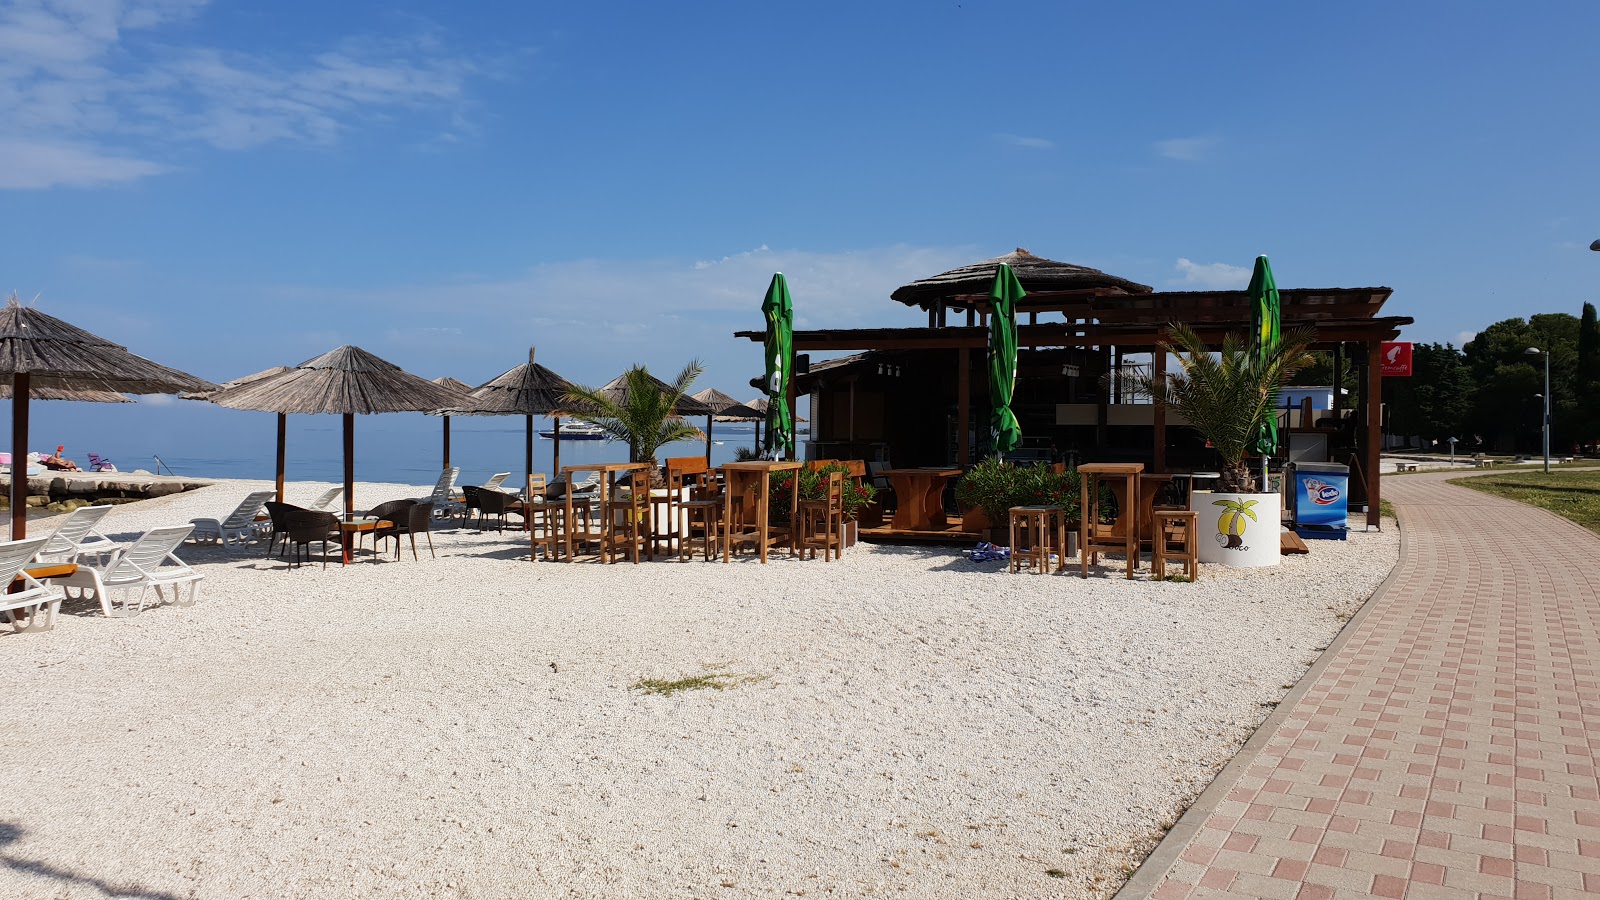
640	411
1227	395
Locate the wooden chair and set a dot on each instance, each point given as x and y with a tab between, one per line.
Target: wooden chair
627	523
545	511
702	521
684	475
1176	537
1043	529
822	519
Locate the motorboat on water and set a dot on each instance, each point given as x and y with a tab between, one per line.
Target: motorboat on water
576	431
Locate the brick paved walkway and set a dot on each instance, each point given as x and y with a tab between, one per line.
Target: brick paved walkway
1448	748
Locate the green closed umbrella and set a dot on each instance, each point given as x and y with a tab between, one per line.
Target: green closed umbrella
1003	298
779	312
1266	325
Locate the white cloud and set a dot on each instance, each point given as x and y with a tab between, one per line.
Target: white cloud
1212	276
1188	149
100	101
591	318
1026	143
33	165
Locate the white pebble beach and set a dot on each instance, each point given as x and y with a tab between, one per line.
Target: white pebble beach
900	722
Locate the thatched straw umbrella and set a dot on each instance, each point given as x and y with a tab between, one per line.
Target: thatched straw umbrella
283	423
969	285
68	394
690	405
460	389
527	390
719	403
758	407
39	353
348	382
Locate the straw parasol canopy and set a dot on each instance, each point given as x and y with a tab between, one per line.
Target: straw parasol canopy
346	381
90	396
39	352
969	285
460	389
617	390
527	390
715	399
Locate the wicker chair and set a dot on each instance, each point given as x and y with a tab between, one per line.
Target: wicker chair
396	513
417	518
498	504
301	527
470	501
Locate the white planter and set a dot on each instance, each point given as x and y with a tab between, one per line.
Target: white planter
1229	536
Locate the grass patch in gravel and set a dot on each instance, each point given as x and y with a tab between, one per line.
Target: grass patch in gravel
1572	493
716	677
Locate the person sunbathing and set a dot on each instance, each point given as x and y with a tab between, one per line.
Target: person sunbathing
57	462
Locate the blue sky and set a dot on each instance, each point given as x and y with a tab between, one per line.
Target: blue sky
227	186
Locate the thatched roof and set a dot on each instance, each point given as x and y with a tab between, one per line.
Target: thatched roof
617	390
527	390
242	379
760	405
460	387
715	399
345	380
1034	272
740	413
49	393
61	356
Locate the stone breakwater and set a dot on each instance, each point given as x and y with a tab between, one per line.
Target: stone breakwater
64	491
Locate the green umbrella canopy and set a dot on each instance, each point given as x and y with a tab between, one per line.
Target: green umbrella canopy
1266	325
778	309
1003	297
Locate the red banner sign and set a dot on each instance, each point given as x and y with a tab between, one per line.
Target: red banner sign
1396	358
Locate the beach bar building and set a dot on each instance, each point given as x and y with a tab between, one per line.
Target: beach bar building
918	396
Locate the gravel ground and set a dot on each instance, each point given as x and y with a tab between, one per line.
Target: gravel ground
900	722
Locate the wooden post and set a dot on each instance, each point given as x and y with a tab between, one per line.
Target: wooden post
1374	448
709	417
349	465
283	443
446	442
963	406
1158	369
19	455
1338	381
556	465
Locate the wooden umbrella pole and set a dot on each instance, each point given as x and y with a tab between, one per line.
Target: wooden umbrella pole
19	455
349	465
708	440
447	442
283	442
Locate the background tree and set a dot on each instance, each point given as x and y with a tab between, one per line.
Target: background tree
1506	411
645	417
1588	375
1435	403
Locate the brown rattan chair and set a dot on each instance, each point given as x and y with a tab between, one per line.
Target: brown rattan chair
303	527
396	513
498	504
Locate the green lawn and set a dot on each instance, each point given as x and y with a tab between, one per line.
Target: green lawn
1572	492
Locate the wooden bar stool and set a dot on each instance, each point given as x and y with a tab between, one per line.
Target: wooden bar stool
627	520
1175	537
822	519
702	516
1044	528
1121	536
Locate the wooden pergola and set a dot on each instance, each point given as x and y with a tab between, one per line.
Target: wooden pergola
1097	314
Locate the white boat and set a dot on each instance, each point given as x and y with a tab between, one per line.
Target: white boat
577	431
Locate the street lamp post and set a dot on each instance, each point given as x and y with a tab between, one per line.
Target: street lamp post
1535	351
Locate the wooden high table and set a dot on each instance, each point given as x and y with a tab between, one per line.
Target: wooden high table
756	474
919	497
589	532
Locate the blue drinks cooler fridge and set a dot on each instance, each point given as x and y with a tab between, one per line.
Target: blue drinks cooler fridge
1321	500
